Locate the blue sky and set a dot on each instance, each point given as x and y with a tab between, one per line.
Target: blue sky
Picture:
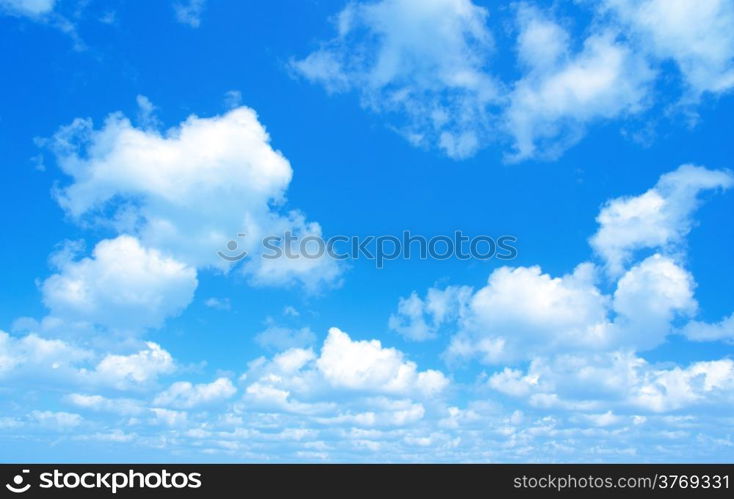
136	140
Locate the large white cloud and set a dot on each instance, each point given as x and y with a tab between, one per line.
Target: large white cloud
523	313
432	68
188	191
367	365
424	59
348	382
697	36
122	286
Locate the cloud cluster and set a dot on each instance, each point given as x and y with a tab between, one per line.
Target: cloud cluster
177	199
432	66
122	286
422	59
578	342
522	313
293	379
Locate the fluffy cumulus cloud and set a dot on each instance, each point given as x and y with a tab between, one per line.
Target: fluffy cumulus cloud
522	312
347	381
367	365
30	358
122	286
359	400
431	66
578	342
422	59
189	191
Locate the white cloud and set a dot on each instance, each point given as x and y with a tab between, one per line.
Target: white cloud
138	369
218	303
366	365
169	417
522	312
701	382
703	331
563	91
616	379
114	435
647	300
423	59
185	395
189	190
32	355
189	11
103	404
122	286
432	68
30	358
660	218
698	36
31	8
385	412
56	420
348	383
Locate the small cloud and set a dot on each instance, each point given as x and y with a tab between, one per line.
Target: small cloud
218	303
290	311
189	12
232	99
